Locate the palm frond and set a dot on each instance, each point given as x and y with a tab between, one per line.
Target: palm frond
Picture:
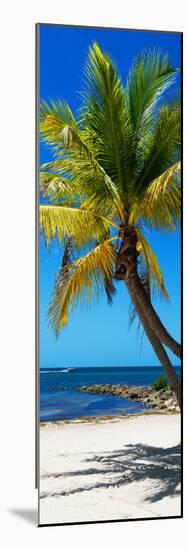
54	116
106	116
150	76
161	148
58	128
93	186
81	186
81	282
56	187
63	221
55	166
150	265
160	205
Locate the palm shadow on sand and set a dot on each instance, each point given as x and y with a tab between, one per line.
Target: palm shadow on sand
132	463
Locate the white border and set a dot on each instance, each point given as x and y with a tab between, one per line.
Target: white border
17	268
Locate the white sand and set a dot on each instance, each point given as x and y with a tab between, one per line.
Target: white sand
117	469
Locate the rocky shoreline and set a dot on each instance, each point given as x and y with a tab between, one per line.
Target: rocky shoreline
161	400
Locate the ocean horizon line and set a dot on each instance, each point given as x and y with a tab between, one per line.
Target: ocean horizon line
107	367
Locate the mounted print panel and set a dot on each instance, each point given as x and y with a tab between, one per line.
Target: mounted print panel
109	274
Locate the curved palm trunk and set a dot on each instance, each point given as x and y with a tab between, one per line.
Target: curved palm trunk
155	342
151	315
127	268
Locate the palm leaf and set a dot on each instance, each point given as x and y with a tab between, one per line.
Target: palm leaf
80	282
106	116
161	148
150	265
150	76
58	127
64	221
160	205
55	187
54	116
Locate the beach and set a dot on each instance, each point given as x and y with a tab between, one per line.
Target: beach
109	469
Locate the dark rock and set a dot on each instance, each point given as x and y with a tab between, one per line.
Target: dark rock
157	399
133	395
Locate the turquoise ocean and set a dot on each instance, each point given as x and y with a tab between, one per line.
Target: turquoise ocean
60	398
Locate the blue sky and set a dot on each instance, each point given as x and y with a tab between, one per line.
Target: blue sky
99	335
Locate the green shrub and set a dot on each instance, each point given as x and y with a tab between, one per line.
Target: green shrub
161	384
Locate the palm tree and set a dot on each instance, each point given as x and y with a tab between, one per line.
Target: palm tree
116	171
